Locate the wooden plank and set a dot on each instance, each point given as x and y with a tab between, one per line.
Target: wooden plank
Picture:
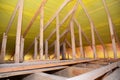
80	39
92	29
18	33
35	48
72	39
36	65
22	50
41	32
114	75
8	74
111	29
57	38
92	75
33	18
3	48
72	71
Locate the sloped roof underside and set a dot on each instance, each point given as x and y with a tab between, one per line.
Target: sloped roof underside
95	9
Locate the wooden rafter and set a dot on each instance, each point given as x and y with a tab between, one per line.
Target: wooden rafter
33	18
111	29
65	18
48	23
57	12
92	28
12	18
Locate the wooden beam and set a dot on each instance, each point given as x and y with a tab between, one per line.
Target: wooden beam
72	71
85	36
57	38
92	75
33	18
3	48
72	39
71	12
80	39
12	18
64	50
92	28
22	50
111	29
35	48
57	12
16	73
55	50
102	43
41	32
114	75
18	33
65	18
46	49
38	64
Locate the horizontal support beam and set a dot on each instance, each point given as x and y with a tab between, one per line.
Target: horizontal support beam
8	74
35	65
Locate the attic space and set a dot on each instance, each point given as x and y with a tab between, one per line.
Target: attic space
59	39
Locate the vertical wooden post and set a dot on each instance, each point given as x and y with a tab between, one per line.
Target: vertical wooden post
18	33
80	39
55	50
111	29
93	40
41	32
46	49
92	29
81	45
64	50
58	37
22	50
72	39
35	48
3	48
